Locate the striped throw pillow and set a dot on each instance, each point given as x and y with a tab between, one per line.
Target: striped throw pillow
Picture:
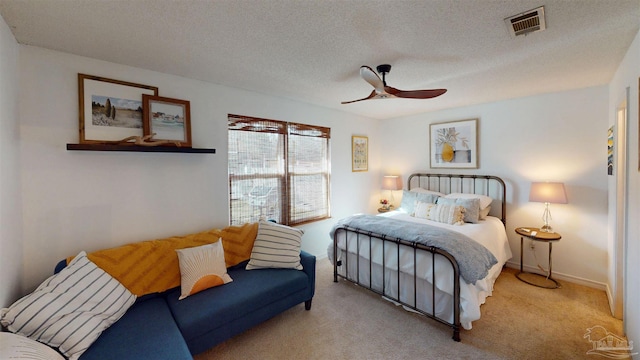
70	309
201	268
13	346
446	213
276	246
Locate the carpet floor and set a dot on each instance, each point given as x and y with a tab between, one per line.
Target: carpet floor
519	321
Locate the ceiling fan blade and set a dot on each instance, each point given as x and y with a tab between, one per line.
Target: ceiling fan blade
371	96
370	76
415	94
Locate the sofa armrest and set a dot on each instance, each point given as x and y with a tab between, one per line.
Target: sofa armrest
60	265
308	262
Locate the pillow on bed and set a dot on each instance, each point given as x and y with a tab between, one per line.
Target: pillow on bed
425	191
422	209
471	208
444	213
409	199
485	212
484	199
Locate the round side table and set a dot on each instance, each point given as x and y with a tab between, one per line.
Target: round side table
536	235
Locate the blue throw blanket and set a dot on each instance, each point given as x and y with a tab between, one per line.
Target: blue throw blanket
474	260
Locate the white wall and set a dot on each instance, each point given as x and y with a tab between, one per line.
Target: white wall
10	203
91	200
555	137
627	76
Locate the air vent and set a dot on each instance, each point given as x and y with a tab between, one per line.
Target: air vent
526	22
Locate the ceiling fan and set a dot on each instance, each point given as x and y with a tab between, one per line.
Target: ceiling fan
382	91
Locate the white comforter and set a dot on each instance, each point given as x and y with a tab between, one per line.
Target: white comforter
490	233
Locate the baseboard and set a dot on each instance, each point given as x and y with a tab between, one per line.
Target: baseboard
565	277
610	298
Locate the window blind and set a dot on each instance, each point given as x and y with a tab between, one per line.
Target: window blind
277	171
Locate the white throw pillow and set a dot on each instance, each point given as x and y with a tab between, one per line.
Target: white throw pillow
445	213
70	309
201	268
484	199
422	209
276	246
14	346
485	212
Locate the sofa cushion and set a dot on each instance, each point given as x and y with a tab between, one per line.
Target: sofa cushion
70	309
202	267
147	331
249	291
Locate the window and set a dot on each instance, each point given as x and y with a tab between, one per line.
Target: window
277	171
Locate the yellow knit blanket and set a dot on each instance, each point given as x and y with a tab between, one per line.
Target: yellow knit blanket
152	266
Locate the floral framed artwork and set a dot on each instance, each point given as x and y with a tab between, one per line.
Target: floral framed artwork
110	110
167	120
359	153
454	144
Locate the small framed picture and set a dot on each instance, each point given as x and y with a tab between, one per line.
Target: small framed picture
110	110
359	153
454	144
169	119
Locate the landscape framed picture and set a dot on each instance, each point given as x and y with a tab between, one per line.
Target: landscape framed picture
110	110
167	120
454	144
359	153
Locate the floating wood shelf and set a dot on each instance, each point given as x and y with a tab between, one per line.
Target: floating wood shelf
138	148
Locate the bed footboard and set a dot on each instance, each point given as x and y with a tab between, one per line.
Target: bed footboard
385	256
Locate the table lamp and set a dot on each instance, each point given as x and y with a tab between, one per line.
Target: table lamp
391	183
547	193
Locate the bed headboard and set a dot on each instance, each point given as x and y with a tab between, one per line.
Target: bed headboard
489	185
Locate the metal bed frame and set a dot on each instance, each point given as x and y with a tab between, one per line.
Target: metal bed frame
492	186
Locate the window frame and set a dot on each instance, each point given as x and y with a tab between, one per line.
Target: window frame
285	174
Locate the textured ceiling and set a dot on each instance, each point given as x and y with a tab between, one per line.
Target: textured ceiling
311	51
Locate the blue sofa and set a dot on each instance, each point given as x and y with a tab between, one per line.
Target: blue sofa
159	326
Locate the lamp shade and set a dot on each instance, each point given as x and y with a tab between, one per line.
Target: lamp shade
548	192
391	182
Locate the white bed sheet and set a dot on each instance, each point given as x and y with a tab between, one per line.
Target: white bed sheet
490	233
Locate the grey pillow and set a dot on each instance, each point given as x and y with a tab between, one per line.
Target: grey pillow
409	199
471	208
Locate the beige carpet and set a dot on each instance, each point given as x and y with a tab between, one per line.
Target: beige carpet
519	321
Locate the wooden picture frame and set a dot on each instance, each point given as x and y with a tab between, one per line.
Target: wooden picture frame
359	153
167	120
454	144
123	119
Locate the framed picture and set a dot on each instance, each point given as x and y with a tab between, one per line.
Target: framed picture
359	153
110	110
454	144
168	119
610	151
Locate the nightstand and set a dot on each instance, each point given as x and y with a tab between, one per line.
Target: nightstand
536	235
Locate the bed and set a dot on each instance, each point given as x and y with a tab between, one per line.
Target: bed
445	276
